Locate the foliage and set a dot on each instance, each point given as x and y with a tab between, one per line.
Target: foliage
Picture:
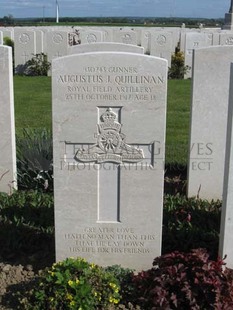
73	284
124	277
37	66
8	41
189	223
184	281
34	160
178	68
27	226
8	20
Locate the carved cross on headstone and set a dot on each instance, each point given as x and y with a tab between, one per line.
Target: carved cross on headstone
113	152
25	56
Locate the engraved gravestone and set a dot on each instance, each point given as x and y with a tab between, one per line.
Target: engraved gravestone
125	36
194	40
109	130
7	125
161	45
56	43
25	47
91	36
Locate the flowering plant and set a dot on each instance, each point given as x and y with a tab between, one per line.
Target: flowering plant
74	284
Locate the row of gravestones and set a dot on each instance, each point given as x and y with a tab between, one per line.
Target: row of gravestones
160	42
109	119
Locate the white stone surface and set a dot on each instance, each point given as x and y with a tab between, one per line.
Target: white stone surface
226	38
7	32
226	231
194	40
39	41
7	123
145	40
208	121
105	47
91	36
161	45
109	112
125	36
24	47
56	44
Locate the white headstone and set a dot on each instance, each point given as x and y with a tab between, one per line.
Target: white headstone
109	129
211	74
24	47
194	40
125	36
7	32
226	230
39	41
56	44
105	47
226	39
7	123
91	36
161	45
145	40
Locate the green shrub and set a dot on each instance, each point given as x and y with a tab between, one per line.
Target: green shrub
190	223
185	281
37	66
8	41
73	284
178	68
125	278
27	227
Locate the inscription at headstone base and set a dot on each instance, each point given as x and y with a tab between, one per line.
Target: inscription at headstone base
109	134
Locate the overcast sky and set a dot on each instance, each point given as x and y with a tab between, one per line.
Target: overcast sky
147	8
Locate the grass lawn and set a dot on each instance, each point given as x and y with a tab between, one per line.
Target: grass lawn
33	110
33	107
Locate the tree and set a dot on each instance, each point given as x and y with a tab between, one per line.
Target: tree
178	68
8	20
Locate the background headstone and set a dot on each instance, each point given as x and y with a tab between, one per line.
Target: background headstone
109	112
125	36
194	40
7	123
56	44
24	47
105	47
226	231
91	36
211	75
161	45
